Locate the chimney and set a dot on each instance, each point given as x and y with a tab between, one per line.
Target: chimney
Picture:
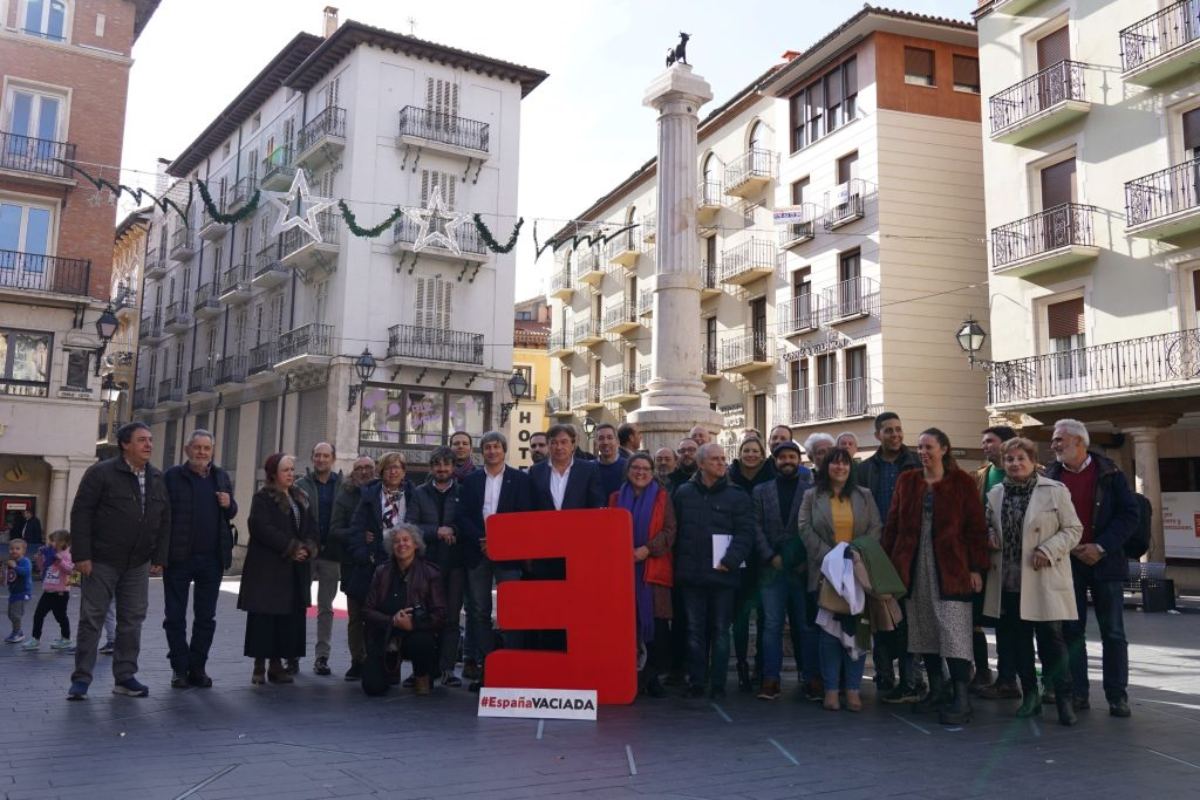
161	179
331	20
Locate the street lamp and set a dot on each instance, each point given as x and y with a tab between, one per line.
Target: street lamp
106	328
364	367
110	392
589	427
517	387
971	337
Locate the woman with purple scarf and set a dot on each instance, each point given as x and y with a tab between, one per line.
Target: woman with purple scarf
653	537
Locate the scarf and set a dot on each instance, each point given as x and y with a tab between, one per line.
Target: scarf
392	511
1012	523
641	508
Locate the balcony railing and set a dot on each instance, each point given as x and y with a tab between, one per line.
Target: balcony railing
151	327
1037	93
435	126
21	153
800	313
156	264
313	339
559	342
237	279
1162	361
295	239
796	233
143	397
201	379
278	168
710	194
206	300
466	236
745	350
182	244
621	314
330	122
846	203
623	384
755	165
748	260
645	304
179	315
712	282
263	357
237	194
643	378
708	360
435	344
1163	193
35	272
1159	34
793	407
585	395
169	391
557	404
560	282
1065	225
588	261
848	398
587	331
232	369
856	297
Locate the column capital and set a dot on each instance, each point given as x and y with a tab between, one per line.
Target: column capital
1145	425
675	84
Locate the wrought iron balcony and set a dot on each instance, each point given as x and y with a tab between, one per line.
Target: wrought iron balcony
42	158
207	303
708	363
263	357
746	352
709	201
298	249
435	344
619	388
621	317
23	272
793	407
452	133
156	265
649	227
560	344
561	284
322	138
278	169
143	397
183	244
236	283
589	266
588	332
850	299
800	314
1164	203
211	230
268	269
232	369
643	378
749	261
150	329
313	339
201	380
557	405
797	233
846	399
645	305
585	397
1051	238
169	392
1147	366
846	203
625	248
750	172
1162	45
711	284
470	244
178	317
237	194
1043	101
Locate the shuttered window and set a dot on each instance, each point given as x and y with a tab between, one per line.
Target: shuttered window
310	419
1053	48
433	303
918	66
966	74
1065	319
441	97
1058	184
433	179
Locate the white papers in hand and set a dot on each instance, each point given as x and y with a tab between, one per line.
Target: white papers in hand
720	544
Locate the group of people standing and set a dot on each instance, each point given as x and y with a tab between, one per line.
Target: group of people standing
902	552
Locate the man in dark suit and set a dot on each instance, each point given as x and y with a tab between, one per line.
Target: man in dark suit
564	482
495	489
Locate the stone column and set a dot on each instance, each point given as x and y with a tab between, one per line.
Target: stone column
675	399
57	515
1145	456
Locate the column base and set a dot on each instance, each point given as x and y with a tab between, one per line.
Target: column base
664	427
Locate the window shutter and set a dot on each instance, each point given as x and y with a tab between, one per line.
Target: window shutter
443	309
310	419
419	311
1065	319
448	184
454	100
1191	132
424	188
1053	48
429	106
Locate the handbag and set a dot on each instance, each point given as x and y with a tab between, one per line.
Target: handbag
830	600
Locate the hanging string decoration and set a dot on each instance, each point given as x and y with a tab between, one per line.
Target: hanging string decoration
437	225
490	242
139	196
368	233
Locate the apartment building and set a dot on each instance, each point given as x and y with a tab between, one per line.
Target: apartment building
276	342
1090	156
872	138
65	70
527	415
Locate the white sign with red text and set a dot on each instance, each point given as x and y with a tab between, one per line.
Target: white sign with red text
538	703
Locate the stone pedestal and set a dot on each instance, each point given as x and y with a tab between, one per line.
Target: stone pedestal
675	399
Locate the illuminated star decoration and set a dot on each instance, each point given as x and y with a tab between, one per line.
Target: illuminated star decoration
306	218
437	225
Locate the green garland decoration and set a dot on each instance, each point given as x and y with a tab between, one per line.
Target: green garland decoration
368	233
227	219
491	243
164	203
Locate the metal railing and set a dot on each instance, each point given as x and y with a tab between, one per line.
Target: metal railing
178	313
236	279
205	297
710	273
313	339
796	232
589	260
181	239
855	297
150	327
278	163
267	260
558	340
623	383
643	378
1163	193
645	302
294	239
466	236
649	223
21	153
232	369
620	312
746	348
588	328
435	344
156	262
848	398
143	397
1159	34
237	193
585	394
627	242
560	279
757	162
793	407
709	193
750	254
1038	92
32	271
330	122
708	360
437	126
800	313
263	357
1150	361
557	404
201	379
845	203
1062	226
169	391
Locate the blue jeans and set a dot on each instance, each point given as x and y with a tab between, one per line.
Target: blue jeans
785	596
709	616
204	573
834	660
1108	600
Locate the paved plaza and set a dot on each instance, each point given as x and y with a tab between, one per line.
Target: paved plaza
323	738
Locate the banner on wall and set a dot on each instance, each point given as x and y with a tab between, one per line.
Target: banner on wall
1181	524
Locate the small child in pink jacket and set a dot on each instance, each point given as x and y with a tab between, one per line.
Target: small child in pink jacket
57	567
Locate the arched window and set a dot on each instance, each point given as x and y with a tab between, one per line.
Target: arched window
757	137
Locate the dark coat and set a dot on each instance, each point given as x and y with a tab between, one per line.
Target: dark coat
108	523
514	496
584	489
308	485
31	532
424	587
344	507
444	556
870	471
678	477
777	536
179	490
273	583
365	556
700	512
959	530
1115	516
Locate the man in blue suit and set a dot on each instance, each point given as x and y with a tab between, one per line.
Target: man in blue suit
564	482
495	489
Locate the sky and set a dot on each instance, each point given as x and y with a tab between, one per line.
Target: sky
582	131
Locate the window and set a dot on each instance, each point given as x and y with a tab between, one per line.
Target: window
171	436
966	74
441	99
1065	331
827	386
179	364
433	303
35	114
422	416
46	18
320	301
1191	133
229	441
25	362
850	289
847	167
1196	298
201	421
433	179
225	150
830	99
256	122
918	66
24	229
856	399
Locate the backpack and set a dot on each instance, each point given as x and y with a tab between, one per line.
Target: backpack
1138	542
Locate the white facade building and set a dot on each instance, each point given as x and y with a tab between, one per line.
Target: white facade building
255	336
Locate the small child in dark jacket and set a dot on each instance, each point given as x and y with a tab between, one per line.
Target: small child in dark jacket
18	576
57	566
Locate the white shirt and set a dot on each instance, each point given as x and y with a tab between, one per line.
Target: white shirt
558	484
491	492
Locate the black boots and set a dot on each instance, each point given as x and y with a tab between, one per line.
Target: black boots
958	710
1031	702
935	697
1066	708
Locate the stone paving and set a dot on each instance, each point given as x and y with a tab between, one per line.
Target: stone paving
323	738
